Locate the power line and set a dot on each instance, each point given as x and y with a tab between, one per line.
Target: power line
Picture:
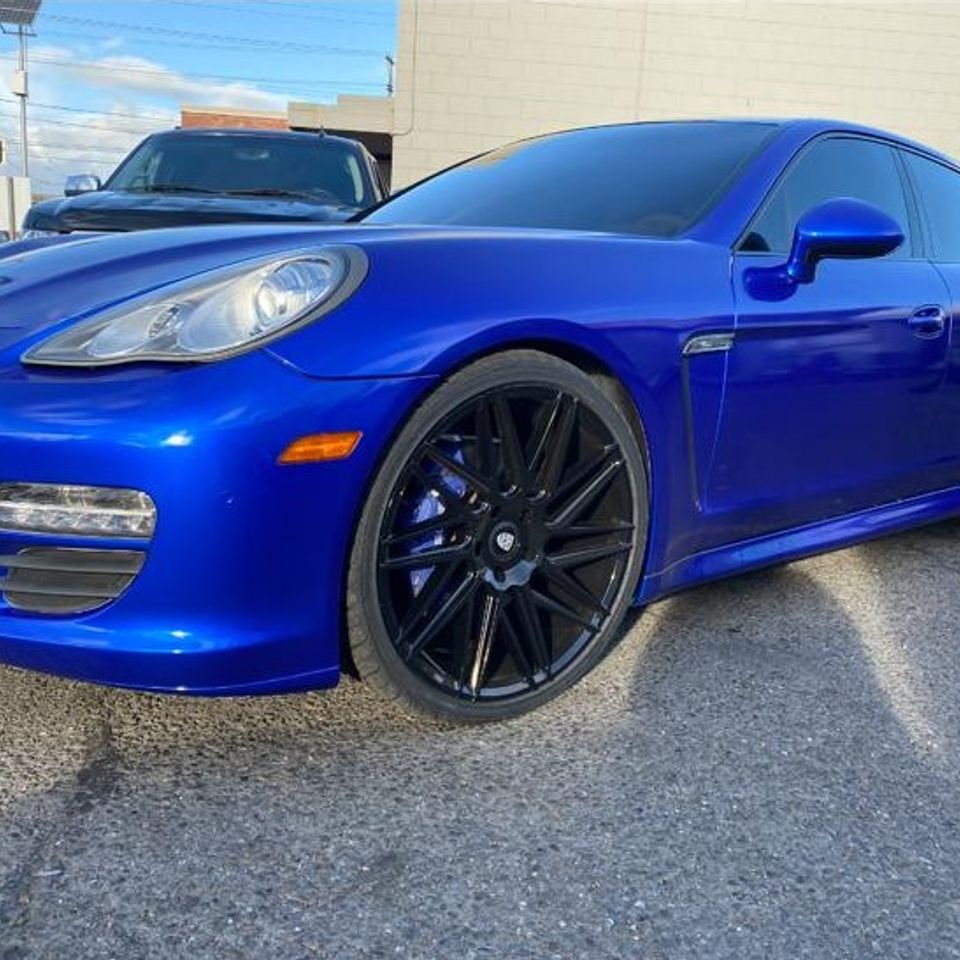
91	66
91	148
106	155
288	45
101	128
105	113
300	6
95	123
322	16
180	45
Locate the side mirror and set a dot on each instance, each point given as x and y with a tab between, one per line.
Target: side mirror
836	228
78	183
840	228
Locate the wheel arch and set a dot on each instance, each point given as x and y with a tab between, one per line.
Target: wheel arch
582	347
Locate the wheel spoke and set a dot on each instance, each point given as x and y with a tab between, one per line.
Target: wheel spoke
561	609
586	495
557	443
515	645
464	641
479	483
485	443
448	609
429	558
533	631
594	529
573	588
421	529
452	504
424	601
581	471
537	444
515	467
489	620
577	556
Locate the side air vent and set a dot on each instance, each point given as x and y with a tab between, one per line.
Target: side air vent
62	580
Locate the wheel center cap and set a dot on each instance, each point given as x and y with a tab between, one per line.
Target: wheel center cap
504	541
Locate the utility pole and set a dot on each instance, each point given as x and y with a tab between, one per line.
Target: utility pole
21	92
20	14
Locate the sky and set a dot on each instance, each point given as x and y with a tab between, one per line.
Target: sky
104	74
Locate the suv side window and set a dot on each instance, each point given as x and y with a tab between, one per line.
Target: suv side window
939	188
831	168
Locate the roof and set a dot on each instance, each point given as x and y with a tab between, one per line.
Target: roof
255	133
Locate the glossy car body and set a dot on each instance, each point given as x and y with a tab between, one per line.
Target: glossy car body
825	417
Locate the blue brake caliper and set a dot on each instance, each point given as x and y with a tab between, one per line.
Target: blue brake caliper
429	506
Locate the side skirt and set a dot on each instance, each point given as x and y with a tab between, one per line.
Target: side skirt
798	542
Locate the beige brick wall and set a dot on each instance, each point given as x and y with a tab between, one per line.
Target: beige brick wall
472	74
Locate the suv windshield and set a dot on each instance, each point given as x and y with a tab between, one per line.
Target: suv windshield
312	168
651	179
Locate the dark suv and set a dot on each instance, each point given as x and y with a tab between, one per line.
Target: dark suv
197	176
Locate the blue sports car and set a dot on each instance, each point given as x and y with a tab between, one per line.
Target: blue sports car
448	447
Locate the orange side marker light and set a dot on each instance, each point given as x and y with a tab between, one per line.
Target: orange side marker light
318	447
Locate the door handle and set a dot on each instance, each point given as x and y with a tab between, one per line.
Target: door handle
928	322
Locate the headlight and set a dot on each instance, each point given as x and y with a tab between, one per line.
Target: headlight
212	316
33	234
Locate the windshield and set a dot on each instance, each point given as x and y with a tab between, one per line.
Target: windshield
311	168
651	179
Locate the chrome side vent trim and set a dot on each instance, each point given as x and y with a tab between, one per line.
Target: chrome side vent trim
62	580
708	343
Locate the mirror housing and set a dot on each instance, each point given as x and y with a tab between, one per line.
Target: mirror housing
843	227
78	183
840	228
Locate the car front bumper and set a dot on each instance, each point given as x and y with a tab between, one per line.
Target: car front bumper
242	587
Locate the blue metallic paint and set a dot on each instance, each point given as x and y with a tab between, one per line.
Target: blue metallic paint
828	422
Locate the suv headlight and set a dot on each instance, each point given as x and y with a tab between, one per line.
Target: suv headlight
212	316
35	233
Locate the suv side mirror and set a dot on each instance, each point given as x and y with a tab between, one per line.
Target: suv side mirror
836	228
840	228
78	183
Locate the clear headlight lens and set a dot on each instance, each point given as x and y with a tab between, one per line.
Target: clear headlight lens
212	316
76	511
33	234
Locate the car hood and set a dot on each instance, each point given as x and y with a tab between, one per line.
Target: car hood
428	290
109	210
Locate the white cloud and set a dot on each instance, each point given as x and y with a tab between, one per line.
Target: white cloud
115	101
147	76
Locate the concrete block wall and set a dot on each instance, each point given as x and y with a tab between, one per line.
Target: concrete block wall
472	74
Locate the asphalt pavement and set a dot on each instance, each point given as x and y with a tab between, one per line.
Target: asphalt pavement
765	767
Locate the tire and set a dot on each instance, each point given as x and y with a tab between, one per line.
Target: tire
500	543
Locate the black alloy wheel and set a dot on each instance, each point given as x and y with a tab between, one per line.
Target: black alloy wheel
501	541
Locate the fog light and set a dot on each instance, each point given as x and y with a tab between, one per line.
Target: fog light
76	511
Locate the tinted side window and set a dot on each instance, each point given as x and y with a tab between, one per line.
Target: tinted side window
837	167
940	194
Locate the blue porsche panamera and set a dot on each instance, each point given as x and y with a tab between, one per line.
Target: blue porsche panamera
449	446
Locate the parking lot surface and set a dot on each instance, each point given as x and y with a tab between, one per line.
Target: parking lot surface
765	767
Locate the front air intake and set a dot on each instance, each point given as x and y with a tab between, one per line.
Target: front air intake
64	580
